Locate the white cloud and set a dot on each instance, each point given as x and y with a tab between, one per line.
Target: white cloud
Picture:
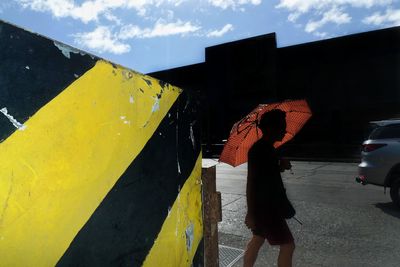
164	29
304	6
90	10
169	14
224	4
321	12
109	16
294	16
390	18
130	31
219	33
321	35
101	40
177	2
334	15
160	29
59	8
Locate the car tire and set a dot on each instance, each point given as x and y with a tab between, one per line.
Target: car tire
395	192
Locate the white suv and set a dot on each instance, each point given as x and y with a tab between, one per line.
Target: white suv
380	157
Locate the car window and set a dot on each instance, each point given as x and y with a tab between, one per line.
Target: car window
386	132
367	131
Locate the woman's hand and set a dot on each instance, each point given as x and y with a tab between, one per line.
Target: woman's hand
249	221
285	164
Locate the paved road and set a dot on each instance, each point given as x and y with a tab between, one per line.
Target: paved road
344	223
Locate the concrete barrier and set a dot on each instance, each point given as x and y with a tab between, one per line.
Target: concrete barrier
101	165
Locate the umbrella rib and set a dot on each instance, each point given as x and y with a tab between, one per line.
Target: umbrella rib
250	125
244	137
302	112
249	129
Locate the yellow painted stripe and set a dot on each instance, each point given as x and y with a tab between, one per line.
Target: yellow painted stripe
55	173
182	231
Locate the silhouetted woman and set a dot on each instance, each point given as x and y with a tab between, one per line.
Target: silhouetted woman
267	203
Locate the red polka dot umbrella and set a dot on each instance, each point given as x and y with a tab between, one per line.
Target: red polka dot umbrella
245	132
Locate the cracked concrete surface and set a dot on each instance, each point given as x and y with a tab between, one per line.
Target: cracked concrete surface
344	223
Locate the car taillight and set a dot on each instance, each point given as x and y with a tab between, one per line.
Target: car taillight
371	147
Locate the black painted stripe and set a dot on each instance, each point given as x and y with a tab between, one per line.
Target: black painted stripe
123	228
32	72
198	260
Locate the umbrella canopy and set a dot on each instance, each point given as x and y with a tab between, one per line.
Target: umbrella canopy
245	132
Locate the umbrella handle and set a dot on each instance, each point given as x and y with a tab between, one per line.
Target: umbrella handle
298	220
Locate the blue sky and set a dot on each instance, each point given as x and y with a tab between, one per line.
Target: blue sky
151	35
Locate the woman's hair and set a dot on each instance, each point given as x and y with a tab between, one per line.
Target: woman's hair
272	119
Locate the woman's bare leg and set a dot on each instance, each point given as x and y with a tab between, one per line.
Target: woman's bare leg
286	255
250	255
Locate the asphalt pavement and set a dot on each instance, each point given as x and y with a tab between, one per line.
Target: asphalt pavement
344	223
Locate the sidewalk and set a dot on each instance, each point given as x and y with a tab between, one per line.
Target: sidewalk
329	203
231	246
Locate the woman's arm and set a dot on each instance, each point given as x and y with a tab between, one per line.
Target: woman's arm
251	191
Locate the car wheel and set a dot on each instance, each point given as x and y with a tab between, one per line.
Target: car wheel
395	192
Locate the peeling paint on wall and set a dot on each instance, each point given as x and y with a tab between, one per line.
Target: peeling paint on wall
17	125
127	74
177	142
156	105
192	135
147	81
67	50
179	167
5	205
169	211
189	236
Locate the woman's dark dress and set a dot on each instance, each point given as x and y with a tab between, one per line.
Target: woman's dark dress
267	202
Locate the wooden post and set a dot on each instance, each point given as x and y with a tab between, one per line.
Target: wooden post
212	214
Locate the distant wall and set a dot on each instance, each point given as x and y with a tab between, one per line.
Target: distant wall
101	165
348	81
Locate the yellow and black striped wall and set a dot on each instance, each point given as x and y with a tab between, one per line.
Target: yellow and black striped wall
100	165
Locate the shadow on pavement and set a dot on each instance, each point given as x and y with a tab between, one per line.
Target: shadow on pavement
389	208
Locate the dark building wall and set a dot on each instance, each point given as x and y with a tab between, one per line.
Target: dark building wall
191	76
348	82
237	81
234	79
